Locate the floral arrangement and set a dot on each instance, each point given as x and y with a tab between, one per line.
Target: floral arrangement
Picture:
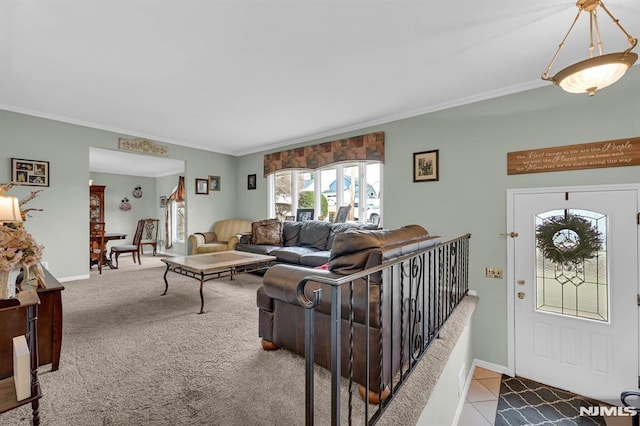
18	249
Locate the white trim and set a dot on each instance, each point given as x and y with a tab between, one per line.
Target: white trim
74	278
511	193
271	197
463	398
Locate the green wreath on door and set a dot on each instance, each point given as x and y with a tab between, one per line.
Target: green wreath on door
588	244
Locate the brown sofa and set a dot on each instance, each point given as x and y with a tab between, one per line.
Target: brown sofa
224	236
281	318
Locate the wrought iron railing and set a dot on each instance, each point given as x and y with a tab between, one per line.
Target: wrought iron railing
420	290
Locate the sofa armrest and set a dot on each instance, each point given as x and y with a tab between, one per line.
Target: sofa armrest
233	241
281	281
196	240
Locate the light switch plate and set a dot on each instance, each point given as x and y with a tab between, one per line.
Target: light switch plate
493	272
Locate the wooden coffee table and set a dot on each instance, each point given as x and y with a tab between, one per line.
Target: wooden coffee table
210	266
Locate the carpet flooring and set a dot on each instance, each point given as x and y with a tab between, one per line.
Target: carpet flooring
131	357
525	402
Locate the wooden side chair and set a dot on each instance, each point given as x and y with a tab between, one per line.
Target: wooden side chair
150	234
97	248
133	248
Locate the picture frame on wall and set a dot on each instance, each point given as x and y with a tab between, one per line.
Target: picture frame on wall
202	186
214	183
426	166
163	202
251	182
29	172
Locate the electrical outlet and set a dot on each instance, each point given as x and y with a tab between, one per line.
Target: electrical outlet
493	272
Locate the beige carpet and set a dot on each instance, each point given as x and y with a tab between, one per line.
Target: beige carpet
132	357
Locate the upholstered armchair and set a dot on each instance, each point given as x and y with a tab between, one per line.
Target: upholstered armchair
224	236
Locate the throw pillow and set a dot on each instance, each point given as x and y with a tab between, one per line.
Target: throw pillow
268	231
209	237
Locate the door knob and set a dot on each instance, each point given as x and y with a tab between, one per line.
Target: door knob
520	295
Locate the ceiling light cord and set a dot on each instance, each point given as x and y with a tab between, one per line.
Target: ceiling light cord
545	74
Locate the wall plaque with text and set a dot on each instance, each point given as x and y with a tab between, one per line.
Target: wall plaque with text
615	153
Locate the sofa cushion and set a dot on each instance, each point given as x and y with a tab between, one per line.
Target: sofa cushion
316	258
290	233
213	247
268	231
258	249
314	233
291	254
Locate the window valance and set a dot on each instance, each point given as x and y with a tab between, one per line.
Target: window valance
369	147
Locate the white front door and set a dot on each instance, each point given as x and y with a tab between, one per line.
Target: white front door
576	319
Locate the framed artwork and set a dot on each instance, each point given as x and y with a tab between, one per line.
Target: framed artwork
251	182
304	214
29	172
214	183
163	202
202	186
425	166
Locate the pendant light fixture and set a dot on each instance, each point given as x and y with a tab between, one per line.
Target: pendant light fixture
599	71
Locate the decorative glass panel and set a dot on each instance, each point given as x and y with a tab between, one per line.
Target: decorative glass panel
571	264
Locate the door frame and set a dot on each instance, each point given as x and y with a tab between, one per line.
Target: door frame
511	193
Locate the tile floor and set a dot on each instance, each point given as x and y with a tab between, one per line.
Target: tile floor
482	399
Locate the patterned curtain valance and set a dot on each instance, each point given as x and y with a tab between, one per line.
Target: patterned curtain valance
369	147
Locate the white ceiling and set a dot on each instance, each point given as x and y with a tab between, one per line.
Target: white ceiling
242	76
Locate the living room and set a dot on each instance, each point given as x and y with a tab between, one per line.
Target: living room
470	196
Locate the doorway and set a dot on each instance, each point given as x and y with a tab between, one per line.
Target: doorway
573	286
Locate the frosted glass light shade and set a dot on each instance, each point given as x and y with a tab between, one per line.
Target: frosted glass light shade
595	73
10	209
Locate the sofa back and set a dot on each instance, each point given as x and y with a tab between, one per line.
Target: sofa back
225	229
356	249
315	233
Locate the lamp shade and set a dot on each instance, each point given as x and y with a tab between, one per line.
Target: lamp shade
595	73
9	209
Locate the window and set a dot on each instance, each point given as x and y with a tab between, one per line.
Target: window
566	283
178	222
327	189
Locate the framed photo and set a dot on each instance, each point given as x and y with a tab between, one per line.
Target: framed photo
214	183
29	172
304	214
202	186
163	202
251	182
425	166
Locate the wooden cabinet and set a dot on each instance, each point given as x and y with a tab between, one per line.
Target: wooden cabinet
96	203
25	304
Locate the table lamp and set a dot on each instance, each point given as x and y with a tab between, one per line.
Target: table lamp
9	209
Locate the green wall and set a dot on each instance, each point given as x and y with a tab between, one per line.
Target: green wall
63	226
470	197
471	194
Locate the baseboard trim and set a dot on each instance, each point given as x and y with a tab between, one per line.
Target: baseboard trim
74	278
491	366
